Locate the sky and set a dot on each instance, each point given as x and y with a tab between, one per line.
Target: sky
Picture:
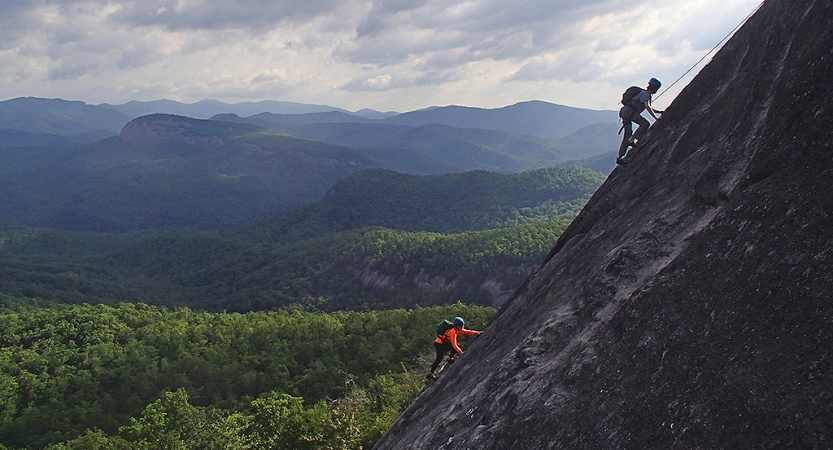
387	55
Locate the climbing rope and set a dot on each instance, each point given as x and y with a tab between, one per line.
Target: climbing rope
710	51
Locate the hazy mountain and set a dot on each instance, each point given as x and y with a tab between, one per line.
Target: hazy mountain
459	149
56	116
204	109
176	171
173	171
688	306
373	114
62	117
273	120
167	171
534	118
18	138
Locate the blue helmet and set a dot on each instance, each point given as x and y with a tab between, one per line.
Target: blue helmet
654	82
459	321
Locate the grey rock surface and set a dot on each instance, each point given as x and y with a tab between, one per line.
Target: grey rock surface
689	304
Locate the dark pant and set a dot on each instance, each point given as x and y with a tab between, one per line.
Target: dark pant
441	351
629	116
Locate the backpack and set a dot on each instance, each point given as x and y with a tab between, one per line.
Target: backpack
444	326
629	94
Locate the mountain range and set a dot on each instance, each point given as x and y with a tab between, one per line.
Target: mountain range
174	171
56	116
231	189
204	109
469	148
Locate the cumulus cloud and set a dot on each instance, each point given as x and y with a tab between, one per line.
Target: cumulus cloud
70	71
138	56
365	53
15	21
398	79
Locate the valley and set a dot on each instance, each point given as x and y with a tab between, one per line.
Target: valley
162	261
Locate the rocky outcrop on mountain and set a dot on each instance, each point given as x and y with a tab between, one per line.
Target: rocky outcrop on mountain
156	129
688	306
423	280
168	171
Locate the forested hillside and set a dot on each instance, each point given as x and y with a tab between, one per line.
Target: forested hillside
135	376
378	240
360	269
157	378
452	203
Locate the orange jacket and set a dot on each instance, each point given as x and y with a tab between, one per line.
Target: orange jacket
451	336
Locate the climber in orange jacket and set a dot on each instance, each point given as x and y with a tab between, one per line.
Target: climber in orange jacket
447	342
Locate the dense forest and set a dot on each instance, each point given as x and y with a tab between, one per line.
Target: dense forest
451	203
138	376
378	240
308	330
214	273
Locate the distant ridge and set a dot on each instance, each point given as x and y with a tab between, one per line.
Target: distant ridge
533	118
170	171
165	170
57	116
62	117
20	138
204	109
461	147
267	118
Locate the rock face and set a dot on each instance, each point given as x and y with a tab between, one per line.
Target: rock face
689	304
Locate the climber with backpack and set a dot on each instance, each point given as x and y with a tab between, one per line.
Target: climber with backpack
446	341
634	101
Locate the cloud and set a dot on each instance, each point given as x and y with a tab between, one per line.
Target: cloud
137	57
70	71
15	22
366	53
399	79
254	15
435	35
